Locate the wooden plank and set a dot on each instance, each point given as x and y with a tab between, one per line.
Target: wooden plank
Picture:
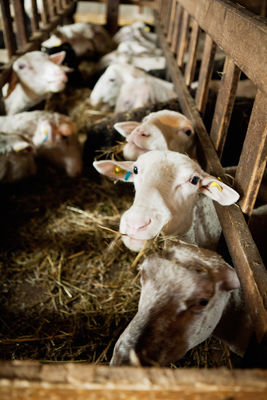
244	253
35	17
9	36
183	39
172	20
45	13
176	30
20	22
112	15
192	53
237	32
51	9
167	15
224	104
23	380
253	157
205	74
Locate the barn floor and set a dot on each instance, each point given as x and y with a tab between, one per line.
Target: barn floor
68	286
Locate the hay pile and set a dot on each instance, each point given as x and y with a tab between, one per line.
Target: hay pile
70	287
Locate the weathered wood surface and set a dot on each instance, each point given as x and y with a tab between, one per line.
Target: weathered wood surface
244	253
23	380
252	164
20	22
112	15
224	105
192	54
205	74
9	36
241	35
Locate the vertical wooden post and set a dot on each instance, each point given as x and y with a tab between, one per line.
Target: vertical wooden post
112	15
224	104
9	37
252	161
35	17
205	74
20	22
183	39
176	29
192	54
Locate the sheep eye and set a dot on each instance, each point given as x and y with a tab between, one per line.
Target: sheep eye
195	180
112	80
203	302
135	170
188	132
21	66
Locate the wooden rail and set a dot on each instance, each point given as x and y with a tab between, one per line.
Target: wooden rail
33	381
238	34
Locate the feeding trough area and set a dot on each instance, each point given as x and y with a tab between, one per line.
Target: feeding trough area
91	264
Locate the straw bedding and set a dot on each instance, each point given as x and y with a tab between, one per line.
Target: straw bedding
70	287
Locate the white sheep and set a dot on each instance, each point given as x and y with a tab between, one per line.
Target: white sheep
169	189
53	137
124	87
187	294
161	130
16	157
35	75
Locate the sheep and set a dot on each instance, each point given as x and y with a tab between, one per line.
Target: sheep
187	294
53	136
124	87
161	130
16	157
35	75
169	197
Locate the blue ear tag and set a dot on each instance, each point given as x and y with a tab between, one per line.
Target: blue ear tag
45	138
127	175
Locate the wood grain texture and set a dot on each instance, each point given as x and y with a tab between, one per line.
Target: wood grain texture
244	253
205	74
23	380
9	36
224	104
192	54
239	33
252	161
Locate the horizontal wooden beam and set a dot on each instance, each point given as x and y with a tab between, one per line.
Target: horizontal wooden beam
239	33
25	380
244	253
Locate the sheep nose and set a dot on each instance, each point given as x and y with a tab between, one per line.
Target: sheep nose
143	133
137	224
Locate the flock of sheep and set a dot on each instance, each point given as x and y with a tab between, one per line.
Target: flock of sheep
188	292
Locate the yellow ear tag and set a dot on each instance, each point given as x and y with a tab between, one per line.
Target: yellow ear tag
147	29
219	179
19	147
215	184
119	171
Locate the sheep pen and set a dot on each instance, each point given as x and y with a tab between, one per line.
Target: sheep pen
69	286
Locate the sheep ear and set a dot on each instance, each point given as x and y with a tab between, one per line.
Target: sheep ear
115	170
43	133
229	278
126	128
57	58
12	83
217	190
